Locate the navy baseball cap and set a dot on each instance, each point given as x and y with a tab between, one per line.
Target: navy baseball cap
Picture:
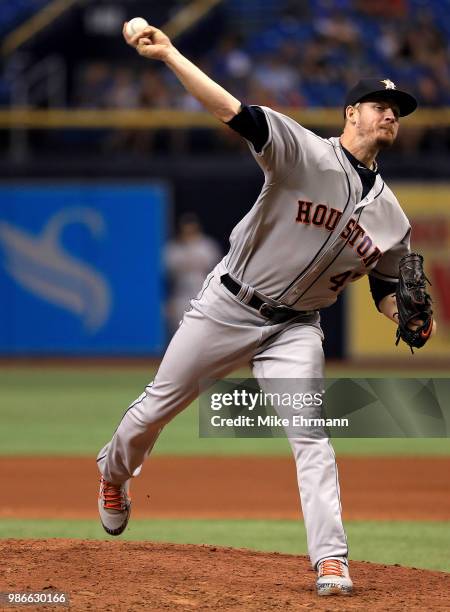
381	88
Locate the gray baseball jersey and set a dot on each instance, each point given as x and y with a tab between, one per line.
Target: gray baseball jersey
309	233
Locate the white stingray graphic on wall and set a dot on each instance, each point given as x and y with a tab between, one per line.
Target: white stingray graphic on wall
41	265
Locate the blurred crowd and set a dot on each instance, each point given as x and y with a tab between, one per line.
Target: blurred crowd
278	53
306	58
301	61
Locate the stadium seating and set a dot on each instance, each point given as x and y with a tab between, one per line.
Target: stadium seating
13	12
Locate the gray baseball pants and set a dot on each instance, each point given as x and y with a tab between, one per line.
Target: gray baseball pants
218	335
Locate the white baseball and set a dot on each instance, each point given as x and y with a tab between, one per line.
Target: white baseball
136	25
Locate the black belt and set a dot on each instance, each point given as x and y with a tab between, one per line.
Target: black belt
275	314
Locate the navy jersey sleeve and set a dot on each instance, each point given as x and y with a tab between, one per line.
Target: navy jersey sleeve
251	123
380	289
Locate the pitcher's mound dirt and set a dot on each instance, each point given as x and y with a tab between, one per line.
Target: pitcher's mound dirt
130	576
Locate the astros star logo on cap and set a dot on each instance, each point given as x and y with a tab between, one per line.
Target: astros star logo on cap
388	84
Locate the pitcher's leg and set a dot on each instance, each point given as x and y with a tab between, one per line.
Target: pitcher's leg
201	348
320	498
297	354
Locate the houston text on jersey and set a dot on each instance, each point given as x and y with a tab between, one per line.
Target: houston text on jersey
320	215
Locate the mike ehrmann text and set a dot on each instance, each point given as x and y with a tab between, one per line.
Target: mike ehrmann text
276	421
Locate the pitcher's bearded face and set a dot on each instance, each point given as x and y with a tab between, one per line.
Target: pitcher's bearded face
378	121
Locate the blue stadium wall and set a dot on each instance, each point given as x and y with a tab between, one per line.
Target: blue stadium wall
80	268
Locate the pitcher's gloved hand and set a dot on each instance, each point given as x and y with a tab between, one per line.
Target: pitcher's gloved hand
415	316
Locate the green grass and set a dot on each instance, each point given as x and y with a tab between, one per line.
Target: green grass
413	544
62	411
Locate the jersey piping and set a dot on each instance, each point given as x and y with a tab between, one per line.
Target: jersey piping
362	204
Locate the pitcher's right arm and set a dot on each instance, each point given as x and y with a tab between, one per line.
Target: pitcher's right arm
154	44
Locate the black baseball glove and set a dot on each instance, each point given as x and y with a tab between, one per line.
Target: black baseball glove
415	316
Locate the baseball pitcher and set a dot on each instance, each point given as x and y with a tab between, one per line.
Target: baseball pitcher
324	218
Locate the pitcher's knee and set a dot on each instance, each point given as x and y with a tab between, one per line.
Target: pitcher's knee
154	407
